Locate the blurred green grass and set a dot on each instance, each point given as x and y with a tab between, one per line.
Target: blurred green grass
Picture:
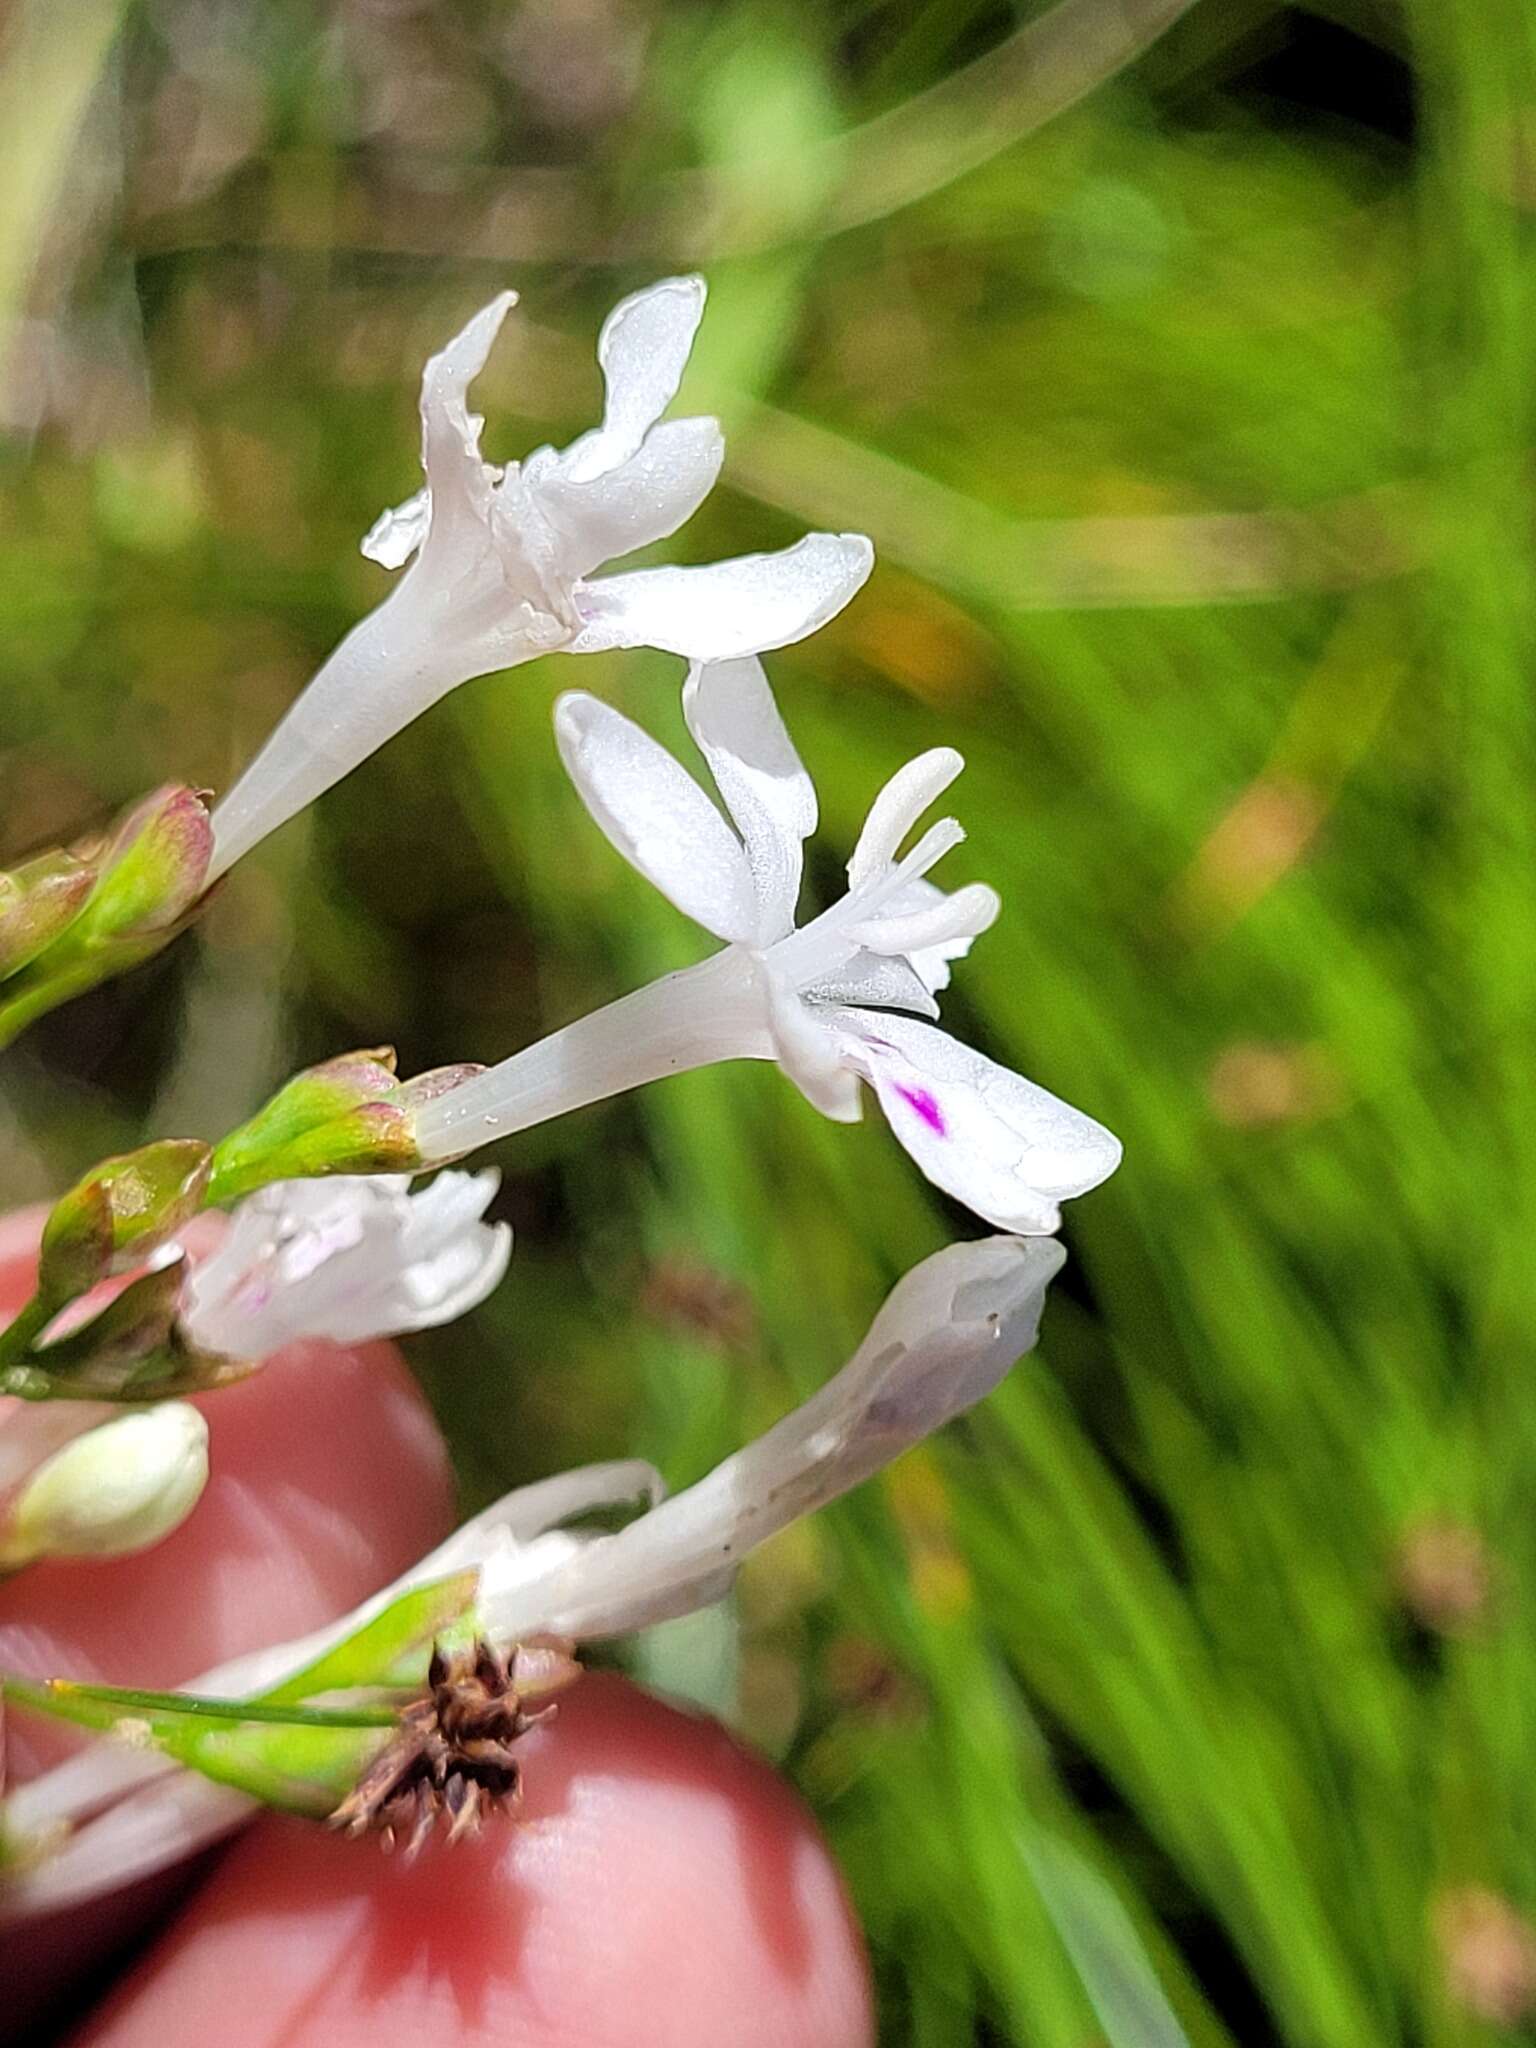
1184	380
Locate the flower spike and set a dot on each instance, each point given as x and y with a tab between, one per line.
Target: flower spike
499	560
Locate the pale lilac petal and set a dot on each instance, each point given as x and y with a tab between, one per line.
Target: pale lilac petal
652	810
643	349
636	502
736	724
1005	1148
910	792
726	609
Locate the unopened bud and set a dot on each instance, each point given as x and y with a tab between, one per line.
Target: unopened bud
119	1212
144	886
118	1488
348	1115
154	869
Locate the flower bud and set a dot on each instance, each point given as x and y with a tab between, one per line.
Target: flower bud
138	892
116	1489
154	869
348	1115
119	1212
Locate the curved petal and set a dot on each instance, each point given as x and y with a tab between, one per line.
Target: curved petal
910	792
935	929
737	727
881	981
726	609
930	959
459	481
396	534
810	1054
993	1140
643	349
652	810
627	507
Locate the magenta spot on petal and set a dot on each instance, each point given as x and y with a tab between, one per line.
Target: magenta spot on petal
925	1106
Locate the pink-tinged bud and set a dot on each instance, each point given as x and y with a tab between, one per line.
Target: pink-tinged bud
37	902
154	869
140	890
348	1115
119	1212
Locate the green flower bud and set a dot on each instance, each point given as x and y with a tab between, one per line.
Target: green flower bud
119	1212
348	1115
145	886
118	1488
152	873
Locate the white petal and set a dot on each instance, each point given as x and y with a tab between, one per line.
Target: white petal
934	925
897	809
653	811
458	479
929	962
735	721
396	534
810	1054
993	1140
881	981
745	606
634	503
949	1332
348	1258
643	348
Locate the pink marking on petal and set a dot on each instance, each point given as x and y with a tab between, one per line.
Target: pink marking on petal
926	1107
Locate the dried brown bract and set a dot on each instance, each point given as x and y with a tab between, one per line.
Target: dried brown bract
453	1755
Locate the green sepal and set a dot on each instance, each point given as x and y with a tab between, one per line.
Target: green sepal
348	1115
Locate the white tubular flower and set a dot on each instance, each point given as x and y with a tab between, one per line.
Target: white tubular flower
831	1001
347	1258
504	559
118	1488
948	1333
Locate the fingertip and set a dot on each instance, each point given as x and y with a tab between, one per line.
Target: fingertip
660	1887
327	1477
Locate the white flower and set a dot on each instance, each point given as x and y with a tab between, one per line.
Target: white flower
347	1258
504	560
947	1334
831	1001
117	1488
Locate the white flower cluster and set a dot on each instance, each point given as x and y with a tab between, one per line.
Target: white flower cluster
499	566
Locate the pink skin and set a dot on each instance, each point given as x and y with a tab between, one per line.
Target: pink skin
661	1887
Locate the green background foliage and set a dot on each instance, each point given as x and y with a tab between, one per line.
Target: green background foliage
1179	359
